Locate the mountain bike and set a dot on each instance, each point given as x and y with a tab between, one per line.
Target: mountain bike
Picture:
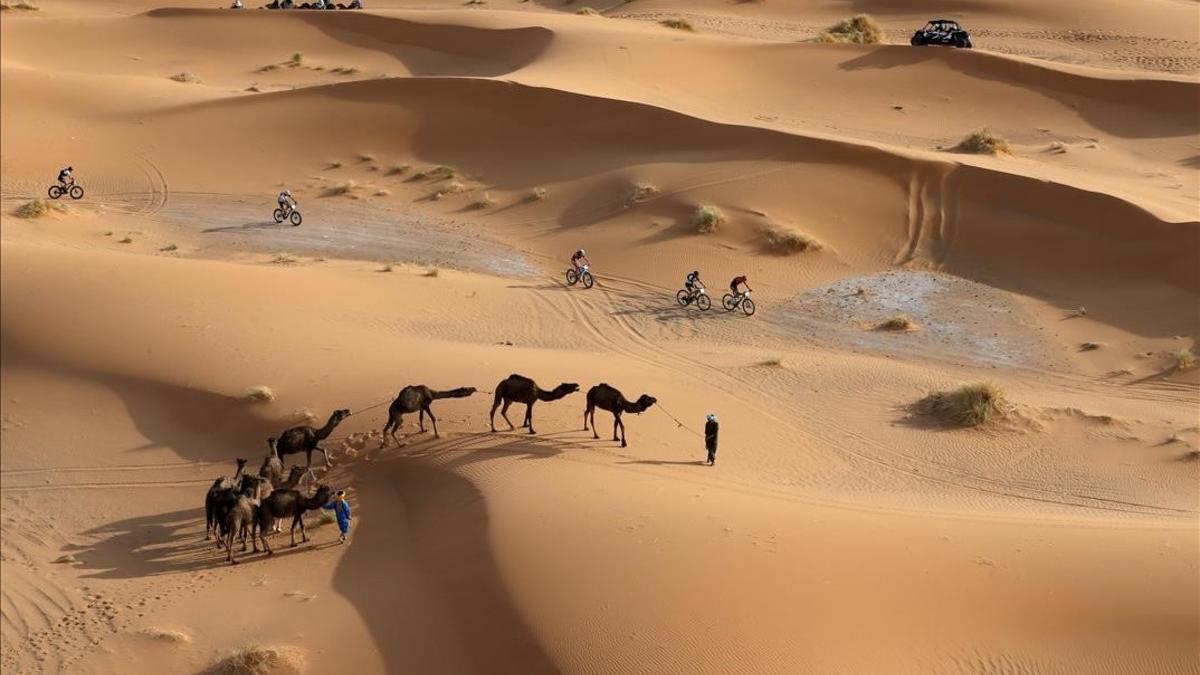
292	215
73	191
582	274
731	302
699	296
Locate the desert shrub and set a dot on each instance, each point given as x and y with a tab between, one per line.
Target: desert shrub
366	157
185	77
485	201
678	24
260	660
1184	359
166	635
296	60
784	240
435	173
284	259
898	323
343	188
587	11
641	192
537	194
969	405
772	362
707	218
18	4
431	272
168	248
984	142
397	169
859	29
36	209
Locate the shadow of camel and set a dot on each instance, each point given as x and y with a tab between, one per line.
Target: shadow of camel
667	462
424	579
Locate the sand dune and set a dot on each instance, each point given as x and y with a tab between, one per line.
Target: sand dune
447	158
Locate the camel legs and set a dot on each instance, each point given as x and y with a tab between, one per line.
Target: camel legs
529	418
421	419
391	426
298	519
585	417
504	414
308	456
432	420
396	427
264	526
616	423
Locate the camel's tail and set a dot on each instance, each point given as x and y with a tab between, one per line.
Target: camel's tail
461	392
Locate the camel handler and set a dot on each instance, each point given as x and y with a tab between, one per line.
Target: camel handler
710	438
341	509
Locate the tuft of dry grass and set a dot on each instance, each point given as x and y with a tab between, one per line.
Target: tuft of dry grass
334	165
166	635
125	240
387	268
707	218
860	29
366	157
969	405
19	4
771	362
537	194
296	60
1089	346
587	11
432	272
186	77
268	68
260	393
284	259
1184	359
257	659
382	193
397	169
36	209
784	240
435	173
168	248
678	24
483	202
340	189
641	192
454	187
899	323
984	142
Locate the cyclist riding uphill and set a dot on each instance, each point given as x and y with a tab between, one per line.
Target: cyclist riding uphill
286	201
739	280
692	282
65	178
577	256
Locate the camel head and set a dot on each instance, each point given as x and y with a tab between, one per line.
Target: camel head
566	388
340	415
324	493
241	464
250	485
644	401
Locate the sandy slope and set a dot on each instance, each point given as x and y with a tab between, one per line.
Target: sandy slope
838	533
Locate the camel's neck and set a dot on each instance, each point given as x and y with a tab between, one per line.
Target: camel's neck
632	407
549	395
324	431
238	474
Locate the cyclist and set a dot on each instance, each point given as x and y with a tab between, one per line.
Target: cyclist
577	256
287	202
65	178
692	282
739	280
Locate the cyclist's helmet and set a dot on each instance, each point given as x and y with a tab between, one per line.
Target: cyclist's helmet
70	168
582	252
287	192
695	273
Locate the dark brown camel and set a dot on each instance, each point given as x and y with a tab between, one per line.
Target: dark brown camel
521	389
222	484
417	399
285	503
305	439
608	398
295	476
239	514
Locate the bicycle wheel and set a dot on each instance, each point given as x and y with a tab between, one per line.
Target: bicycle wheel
727	302
703	302
588	279
572	277
748	306
278	215
76	192
296	218
55	192
683	298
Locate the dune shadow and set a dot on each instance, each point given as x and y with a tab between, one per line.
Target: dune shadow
422	575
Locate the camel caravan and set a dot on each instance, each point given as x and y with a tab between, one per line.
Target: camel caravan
245	506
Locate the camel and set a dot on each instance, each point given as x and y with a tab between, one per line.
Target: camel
284	503
417	399
272	466
520	389
305	438
220	485
239	514
608	398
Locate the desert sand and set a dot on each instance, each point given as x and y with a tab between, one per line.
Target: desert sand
447	158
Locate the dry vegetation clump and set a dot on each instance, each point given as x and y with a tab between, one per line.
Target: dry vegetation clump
185	77
18	4
343	188
454	187
397	169
260	392
969	405
641	192
36	209
483	202
432	272
296	60
707	218
260	660
166	634
125	240
435	173
168	248
382	193
1089	346
984	142
784	240
1184	359
334	165
772	362
284	259
678	24
860	29
587	11
899	323
537	194
344	70
365	157
268	68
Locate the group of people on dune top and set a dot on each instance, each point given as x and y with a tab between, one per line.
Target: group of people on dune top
315	4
